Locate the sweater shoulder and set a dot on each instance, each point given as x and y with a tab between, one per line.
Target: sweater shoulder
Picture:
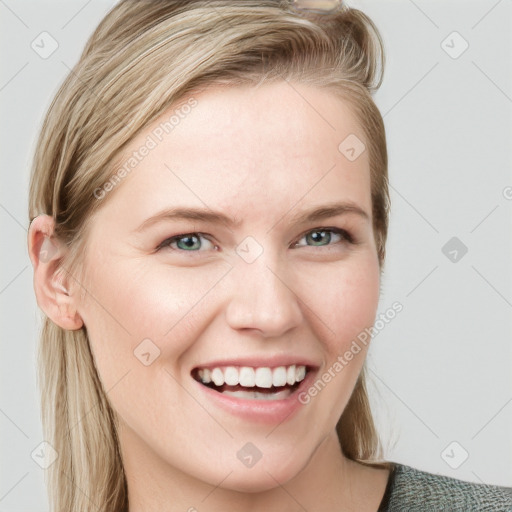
414	490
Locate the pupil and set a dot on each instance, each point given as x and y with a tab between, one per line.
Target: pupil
317	236
188	242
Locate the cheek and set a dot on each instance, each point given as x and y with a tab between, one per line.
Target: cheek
344	297
130	303
357	300
346	304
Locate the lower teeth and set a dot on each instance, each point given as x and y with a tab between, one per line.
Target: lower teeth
256	395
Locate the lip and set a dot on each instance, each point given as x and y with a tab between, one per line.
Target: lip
261	362
268	412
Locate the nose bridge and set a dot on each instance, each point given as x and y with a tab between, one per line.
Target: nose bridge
261	298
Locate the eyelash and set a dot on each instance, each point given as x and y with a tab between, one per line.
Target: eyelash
346	237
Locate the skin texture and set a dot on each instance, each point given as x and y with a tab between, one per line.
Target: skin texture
261	156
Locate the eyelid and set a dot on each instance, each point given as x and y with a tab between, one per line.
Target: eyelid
346	235
166	243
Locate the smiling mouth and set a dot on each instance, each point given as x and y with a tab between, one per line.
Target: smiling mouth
253	383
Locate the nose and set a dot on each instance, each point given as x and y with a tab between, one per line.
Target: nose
263	299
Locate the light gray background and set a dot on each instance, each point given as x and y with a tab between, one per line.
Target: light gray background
441	370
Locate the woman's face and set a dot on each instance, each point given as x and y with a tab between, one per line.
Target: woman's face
229	252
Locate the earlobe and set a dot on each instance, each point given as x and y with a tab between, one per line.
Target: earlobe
51	281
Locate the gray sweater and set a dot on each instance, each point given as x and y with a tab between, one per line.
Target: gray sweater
413	490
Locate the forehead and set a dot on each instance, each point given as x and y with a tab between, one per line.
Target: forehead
283	118
258	150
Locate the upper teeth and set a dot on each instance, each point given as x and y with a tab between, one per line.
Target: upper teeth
246	376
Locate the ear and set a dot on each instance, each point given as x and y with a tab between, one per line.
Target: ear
51	281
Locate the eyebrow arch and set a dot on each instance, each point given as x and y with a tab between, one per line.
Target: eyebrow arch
184	213
213	217
330	210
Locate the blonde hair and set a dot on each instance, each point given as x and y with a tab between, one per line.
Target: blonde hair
142	58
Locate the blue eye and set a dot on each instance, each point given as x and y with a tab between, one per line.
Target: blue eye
323	237
194	242
189	242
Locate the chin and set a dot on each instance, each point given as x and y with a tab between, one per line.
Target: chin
267	473
257	481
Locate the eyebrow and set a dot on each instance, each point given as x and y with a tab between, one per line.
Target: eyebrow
207	215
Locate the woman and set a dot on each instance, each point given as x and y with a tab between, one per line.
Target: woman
209	209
